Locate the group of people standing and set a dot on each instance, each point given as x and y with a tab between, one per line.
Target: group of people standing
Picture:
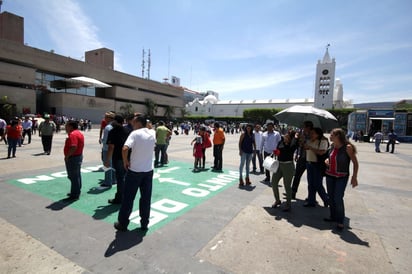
130	151
312	152
14	133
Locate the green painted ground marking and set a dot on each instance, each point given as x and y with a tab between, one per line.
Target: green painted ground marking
176	190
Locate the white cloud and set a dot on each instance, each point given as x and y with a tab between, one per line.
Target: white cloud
70	29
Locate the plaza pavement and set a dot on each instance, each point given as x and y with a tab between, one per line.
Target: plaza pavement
235	231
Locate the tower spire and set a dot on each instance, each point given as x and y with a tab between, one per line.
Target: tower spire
326	57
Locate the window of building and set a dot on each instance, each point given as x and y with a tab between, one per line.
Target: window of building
58	83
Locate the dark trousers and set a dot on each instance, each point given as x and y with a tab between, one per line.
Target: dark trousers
300	168
160	150
218	155
315	183
390	143
257	154
28	133
73	165
12	145
133	182
120	175
204	157
336	190
46	141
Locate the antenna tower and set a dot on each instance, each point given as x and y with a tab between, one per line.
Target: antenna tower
143	54
148	65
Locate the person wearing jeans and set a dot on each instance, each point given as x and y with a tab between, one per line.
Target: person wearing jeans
246	147
13	135
317	145
73	157
115	140
342	152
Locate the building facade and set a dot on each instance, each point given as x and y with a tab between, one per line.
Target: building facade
38	81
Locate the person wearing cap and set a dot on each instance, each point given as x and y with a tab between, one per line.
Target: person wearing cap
46	131
139	174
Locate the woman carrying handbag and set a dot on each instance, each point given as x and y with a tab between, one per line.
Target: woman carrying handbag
285	153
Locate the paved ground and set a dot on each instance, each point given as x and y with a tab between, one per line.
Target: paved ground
234	231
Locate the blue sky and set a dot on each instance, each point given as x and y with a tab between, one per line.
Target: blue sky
263	49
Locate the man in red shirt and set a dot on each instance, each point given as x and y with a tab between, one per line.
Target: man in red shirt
73	156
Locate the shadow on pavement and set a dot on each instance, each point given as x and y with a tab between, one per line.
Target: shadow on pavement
125	240
102	212
348	236
247	187
313	217
300	215
60	204
98	189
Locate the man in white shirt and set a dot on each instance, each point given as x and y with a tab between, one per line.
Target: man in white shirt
27	127
139	174
270	141
257	132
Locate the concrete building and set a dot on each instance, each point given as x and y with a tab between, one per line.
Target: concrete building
212	106
38	81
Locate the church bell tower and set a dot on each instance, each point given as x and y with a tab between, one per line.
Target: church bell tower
325	81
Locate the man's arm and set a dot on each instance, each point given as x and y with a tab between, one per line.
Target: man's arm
125	152
109	155
72	149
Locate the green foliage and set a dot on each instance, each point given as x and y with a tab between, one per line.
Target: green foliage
342	115
184	113
151	108
403	105
259	115
169	111
7	109
127	109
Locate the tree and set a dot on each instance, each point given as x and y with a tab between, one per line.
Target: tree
151	107
260	115
169	111
184	113
127	109
6	109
